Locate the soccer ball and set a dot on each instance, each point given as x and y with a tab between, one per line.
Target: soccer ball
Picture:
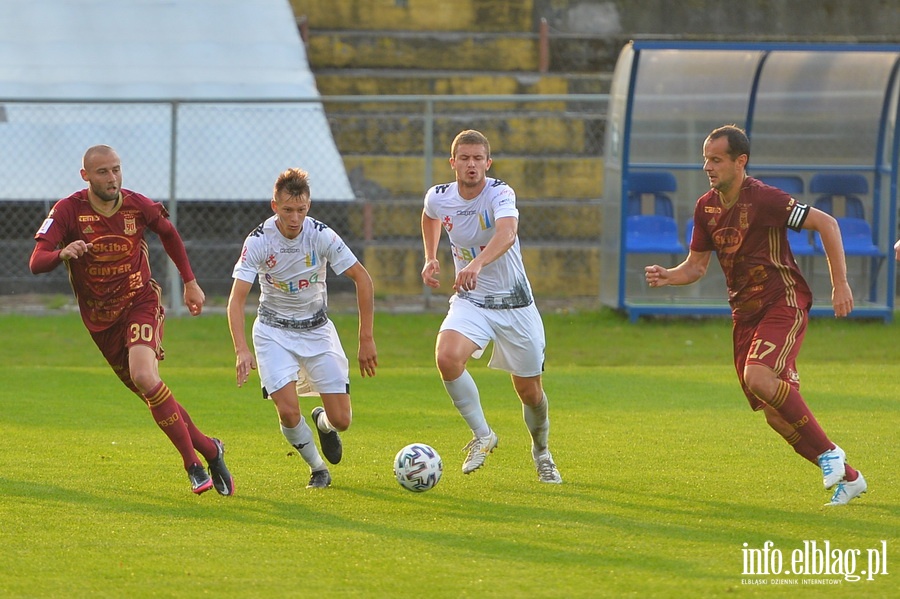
418	467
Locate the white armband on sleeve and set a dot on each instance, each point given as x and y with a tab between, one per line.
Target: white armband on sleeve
798	216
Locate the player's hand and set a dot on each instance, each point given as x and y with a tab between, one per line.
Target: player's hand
368	357
430	273
842	299
656	276
75	250
194	298
244	363
467	278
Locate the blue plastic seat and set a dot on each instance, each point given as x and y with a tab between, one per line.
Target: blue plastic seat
652	234
802	243
655	183
847	185
857	237
792	184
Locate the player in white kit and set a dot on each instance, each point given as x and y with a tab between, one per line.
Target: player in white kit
292	334
493	299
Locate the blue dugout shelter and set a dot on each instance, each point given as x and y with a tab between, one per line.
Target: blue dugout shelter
823	124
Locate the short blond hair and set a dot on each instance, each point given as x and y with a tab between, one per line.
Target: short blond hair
470	137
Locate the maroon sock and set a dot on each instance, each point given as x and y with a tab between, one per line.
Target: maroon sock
168	417
789	404
201	442
802	447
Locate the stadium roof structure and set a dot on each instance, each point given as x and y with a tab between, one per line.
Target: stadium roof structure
178	87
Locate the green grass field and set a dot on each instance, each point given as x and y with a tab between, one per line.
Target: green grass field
667	472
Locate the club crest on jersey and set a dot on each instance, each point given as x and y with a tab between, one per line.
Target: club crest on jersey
485	220
448	223
271	261
130	225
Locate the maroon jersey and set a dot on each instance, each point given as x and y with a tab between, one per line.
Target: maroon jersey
116	271
750	241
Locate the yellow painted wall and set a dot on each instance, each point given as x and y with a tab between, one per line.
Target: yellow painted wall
418	15
532	178
332	51
556	272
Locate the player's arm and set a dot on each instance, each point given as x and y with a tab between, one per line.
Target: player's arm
194	298
827	228
505	231
689	271
237	302
365	301
431	237
47	256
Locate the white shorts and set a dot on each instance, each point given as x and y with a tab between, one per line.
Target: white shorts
282	353
517	333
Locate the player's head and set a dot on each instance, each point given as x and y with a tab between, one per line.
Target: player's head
738	142
470	137
470	157
726	153
102	170
290	201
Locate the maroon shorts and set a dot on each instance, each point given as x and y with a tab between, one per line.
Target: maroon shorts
773	341
140	324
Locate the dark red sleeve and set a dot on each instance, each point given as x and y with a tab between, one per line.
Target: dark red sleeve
44	258
174	247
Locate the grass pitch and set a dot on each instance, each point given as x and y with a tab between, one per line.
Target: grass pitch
670	480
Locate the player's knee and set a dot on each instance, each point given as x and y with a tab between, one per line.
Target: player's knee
341	421
760	380
450	367
531	393
289	416
144	381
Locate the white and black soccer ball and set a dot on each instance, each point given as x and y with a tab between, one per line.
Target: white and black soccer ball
418	467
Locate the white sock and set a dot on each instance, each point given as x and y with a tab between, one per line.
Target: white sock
537	420
465	397
324	423
301	438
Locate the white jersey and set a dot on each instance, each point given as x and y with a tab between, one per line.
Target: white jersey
292	271
470	225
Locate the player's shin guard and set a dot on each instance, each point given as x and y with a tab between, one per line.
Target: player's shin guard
301	438
201	442
465	397
538	422
789	404
167	415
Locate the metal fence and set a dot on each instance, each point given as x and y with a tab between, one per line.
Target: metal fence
392	148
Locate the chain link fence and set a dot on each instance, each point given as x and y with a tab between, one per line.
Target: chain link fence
214	163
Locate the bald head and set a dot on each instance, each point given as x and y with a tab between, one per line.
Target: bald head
96	152
102	169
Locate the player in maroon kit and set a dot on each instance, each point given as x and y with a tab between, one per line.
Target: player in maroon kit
98	233
745	222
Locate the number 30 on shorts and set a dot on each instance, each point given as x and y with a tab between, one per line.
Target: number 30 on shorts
140	332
